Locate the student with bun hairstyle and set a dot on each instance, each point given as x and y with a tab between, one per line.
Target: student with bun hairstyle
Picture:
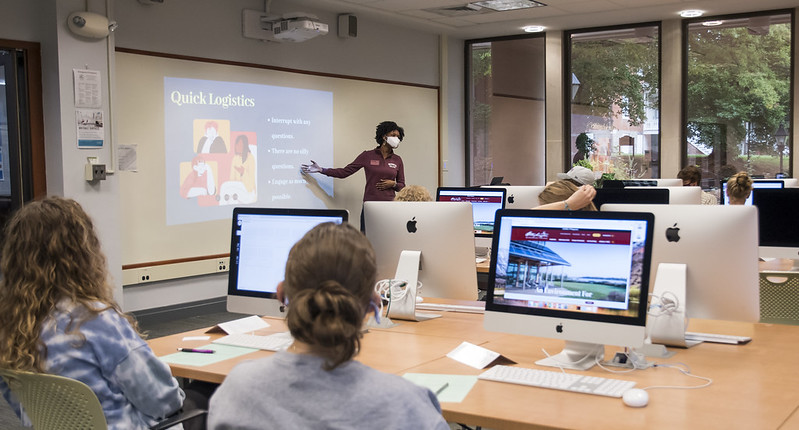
739	187
316	383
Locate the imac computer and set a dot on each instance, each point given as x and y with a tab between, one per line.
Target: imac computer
756	185
260	241
485	202
642	195
718	247
521	196
778	231
621	183
579	276
443	234
680	195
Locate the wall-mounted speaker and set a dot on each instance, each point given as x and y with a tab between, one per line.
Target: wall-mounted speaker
347	25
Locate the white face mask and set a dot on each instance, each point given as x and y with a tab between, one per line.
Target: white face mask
393	141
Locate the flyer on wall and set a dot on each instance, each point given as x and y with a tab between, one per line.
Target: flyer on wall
90	128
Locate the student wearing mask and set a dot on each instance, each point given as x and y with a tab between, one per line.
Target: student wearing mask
316	383
385	173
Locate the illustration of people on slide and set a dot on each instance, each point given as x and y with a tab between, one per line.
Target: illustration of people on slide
211	142
240	188
200	179
218	175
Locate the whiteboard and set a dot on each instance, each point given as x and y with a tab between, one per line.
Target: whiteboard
358	105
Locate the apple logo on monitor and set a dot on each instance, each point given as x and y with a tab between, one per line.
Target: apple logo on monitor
510	199
673	233
559	328
411	225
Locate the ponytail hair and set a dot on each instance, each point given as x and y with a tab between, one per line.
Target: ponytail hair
329	282
329	319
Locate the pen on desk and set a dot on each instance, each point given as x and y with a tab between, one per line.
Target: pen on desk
443	387
201	351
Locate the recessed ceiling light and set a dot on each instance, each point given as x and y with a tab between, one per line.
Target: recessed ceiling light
691	13
712	23
502	5
534	28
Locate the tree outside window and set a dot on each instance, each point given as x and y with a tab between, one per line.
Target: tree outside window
738	95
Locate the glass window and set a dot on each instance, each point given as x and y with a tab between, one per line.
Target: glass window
738	95
505	110
613	114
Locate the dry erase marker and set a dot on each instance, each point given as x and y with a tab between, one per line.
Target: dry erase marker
201	351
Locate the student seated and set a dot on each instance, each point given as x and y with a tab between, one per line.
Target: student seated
58	316
316	384
691	176
739	187
565	194
413	193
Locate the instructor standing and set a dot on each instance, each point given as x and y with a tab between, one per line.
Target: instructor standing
385	173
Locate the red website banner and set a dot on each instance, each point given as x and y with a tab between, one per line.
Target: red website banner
606	237
471	199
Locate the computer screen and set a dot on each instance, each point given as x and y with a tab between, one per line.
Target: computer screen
521	196
680	195
718	245
442	231
260	241
644	195
756	184
579	276
658	182
778	231
485	202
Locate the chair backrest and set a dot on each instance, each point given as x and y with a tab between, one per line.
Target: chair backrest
55	402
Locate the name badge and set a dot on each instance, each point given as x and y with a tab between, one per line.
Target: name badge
374	162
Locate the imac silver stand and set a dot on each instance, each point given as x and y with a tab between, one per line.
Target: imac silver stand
403	300
575	355
666	320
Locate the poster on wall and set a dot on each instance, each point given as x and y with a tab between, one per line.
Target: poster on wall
90	128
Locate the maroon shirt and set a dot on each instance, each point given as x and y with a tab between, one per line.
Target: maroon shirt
376	168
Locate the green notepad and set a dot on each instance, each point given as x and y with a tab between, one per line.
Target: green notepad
223	352
455	387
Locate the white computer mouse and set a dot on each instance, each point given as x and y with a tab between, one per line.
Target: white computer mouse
635	397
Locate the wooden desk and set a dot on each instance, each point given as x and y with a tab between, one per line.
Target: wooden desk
754	385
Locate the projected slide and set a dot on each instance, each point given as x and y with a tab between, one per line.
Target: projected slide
230	143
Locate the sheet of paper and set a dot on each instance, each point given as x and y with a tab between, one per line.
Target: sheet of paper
222	352
455	387
473	355
244	325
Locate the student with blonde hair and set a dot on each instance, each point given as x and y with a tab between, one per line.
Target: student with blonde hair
413	193
739	188
329	287
58	316
566	195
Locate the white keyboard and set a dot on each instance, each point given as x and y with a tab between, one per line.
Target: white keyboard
717	338
272	342
558	380
453	308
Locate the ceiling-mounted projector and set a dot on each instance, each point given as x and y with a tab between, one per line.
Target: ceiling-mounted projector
297	27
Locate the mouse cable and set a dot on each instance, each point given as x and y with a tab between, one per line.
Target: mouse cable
687	372
631	358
